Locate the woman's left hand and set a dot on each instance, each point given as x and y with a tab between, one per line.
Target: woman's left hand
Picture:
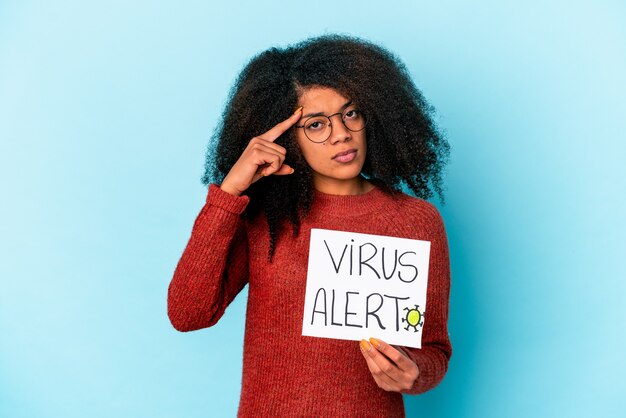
391	368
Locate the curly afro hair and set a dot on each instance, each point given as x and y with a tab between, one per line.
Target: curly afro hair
404	145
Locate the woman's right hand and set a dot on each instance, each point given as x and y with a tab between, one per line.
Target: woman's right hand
261	157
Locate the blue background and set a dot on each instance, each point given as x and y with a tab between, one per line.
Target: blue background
106	109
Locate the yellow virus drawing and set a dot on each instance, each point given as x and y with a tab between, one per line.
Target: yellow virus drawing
413	318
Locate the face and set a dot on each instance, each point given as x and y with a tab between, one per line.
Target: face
330	170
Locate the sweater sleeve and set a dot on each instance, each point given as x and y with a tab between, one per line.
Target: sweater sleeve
432	359
214	265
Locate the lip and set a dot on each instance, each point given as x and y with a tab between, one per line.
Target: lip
348	151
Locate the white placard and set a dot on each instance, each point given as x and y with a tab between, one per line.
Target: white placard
363	285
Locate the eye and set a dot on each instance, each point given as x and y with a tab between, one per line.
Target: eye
315	125
352	114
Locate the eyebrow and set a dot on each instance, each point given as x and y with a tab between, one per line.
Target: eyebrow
308	115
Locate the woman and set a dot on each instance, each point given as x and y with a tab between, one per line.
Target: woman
360	130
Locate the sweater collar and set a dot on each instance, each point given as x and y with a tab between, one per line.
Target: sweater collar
348	205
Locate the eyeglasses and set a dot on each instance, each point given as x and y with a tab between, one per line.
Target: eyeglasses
318	128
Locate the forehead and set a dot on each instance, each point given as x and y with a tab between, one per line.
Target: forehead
321	98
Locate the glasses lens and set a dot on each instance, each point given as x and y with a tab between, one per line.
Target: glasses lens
317	128
354	120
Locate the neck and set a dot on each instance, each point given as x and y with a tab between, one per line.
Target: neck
354	186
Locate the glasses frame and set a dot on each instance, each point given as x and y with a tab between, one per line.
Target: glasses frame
330	123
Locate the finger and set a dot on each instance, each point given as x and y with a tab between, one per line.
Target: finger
402	350
274	166
281	127
258	141
382	380
402	361
267	160
267	170
383	364
259	148
283	170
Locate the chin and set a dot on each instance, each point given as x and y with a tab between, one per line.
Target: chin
347	173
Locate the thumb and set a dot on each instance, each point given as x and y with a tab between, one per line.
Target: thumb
284	169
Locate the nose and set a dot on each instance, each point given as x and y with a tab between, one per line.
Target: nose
339	131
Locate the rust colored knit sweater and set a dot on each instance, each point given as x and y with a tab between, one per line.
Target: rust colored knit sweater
286	374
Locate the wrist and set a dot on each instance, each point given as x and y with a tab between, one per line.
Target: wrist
230	190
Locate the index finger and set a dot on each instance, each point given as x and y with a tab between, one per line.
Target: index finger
281	127
401	360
